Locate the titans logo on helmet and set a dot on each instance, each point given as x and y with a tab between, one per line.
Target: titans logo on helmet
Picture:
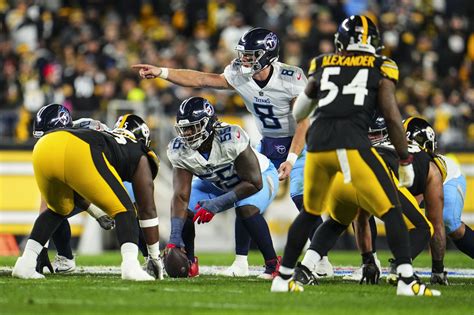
271	41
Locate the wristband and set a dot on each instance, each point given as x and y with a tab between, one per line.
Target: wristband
164	73
292	157
407	161
148	223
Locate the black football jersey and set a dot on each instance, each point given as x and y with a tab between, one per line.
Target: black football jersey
421	165
122	152
347	98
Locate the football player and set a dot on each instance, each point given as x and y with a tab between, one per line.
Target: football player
345	89
49	117
454	187
229	174
269	89
72	164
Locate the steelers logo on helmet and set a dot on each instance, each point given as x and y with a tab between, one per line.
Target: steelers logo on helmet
195	121
357	33
136	125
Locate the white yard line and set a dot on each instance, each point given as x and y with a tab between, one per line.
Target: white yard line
256	270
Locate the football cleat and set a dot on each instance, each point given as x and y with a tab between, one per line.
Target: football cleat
63	264
193	268
237	269
154	267
271	269
414	287
304	276
370	273
25	269
281	285
439	278
131	270
324	268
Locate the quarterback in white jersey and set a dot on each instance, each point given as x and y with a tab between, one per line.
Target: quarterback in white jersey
229	173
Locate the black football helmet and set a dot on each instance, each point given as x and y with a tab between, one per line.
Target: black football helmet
50	117
378	132
420	131
195	121
357	33
136	125
256	50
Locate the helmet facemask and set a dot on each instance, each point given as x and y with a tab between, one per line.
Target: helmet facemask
377	136
248	61
193	133
426	138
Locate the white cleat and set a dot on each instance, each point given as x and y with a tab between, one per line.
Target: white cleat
237	269
281	285
131	270
26	269
63	264
324	268
415	288
356	275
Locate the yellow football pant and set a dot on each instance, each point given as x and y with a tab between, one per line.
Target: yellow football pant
64	165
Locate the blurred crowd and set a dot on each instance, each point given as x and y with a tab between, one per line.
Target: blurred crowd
79	53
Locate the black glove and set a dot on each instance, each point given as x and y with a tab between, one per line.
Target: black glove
154	267
439	278
106	222
370	273
43	261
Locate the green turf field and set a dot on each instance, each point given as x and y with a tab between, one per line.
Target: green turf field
107	294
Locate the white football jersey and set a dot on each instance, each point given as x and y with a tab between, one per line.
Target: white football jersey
270	105
229	141
452	168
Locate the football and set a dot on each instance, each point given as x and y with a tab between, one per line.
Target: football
176	263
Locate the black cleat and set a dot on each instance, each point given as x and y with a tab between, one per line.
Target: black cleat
304	276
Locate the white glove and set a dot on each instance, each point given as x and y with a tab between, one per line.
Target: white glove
406	174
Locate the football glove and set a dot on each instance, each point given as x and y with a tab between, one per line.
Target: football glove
439	278
155	267
406	174
370	273
43	261
202	215
106	222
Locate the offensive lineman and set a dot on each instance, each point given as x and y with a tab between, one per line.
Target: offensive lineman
229	174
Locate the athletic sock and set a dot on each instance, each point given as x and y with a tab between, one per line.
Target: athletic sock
466	243
242	238
258	229
297	237
326	236
298	201
62	239
397	236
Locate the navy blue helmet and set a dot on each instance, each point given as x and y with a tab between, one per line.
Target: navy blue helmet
357	33
256	50
195	121
378	132
420	131
50	117
136	125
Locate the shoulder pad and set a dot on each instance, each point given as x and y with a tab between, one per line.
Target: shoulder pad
441	165
154	162
388	68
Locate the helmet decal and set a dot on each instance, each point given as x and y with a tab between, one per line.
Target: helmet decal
271	41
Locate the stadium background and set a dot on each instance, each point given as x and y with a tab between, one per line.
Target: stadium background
79	53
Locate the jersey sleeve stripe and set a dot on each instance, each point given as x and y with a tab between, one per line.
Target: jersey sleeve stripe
390	70
312	67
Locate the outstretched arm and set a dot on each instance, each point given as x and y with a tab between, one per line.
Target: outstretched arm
179	204
434	201
183	77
